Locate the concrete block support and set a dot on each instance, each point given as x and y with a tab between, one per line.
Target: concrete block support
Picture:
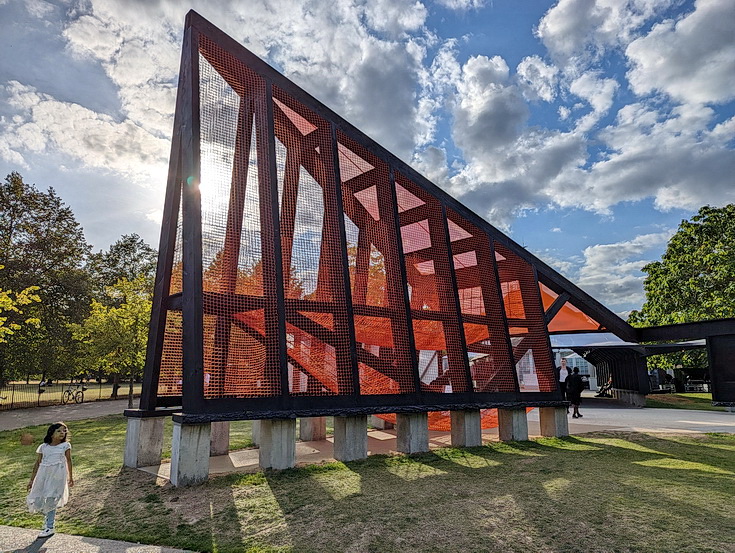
466	428
412	432
256	432
277	444
313	429
143	442
631	397
512	425
219	441
350	438
554	422
380	424
190	454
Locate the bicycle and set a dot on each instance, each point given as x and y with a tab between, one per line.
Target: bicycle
73	393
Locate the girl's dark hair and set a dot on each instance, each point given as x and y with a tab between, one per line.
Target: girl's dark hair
53	428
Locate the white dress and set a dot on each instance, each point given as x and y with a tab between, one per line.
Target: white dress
50	488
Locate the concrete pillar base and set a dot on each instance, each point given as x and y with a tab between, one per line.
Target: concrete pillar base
512	425
381	424
630	397
554	422
350	438
219	442
277	444
313	429
143	442
190	454
466	428
256	433
412	432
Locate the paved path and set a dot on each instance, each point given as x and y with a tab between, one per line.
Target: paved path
19	418
24	540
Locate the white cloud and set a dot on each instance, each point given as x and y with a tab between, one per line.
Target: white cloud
462	5
537	79
39	8
489	111
395	16
692	59
598	92
44	124
579	30
612	273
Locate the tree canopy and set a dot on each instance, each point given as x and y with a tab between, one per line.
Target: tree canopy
695	279
11	310
42	244
114	336
52	277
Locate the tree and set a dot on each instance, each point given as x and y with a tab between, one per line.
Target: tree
115	334
11	313
695	279
129	258
41	244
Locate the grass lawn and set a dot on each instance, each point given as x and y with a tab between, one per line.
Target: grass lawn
615	492
691	400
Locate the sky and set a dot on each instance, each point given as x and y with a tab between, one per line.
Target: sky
586	130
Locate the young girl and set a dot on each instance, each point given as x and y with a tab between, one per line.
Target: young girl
52	476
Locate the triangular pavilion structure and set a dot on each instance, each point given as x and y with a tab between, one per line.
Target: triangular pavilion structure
306	271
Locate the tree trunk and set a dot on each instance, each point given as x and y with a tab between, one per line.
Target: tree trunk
115	385
130	391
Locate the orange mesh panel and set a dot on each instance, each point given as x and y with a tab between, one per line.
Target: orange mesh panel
569	318
312	252
437	327
231	106
526	323
385	359
481	307
169	380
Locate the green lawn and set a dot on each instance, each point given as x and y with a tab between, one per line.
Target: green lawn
691	400
615	492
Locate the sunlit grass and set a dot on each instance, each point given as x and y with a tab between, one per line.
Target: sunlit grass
603	492
691	400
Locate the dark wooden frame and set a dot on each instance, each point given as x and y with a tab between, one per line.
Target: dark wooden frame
184	175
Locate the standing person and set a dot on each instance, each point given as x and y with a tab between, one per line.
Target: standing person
52	476
575	385
563	374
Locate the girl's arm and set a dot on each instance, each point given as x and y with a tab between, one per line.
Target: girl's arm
35	470
68	466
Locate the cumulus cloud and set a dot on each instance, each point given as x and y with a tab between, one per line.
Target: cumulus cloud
462	4
395	17
44	124
612	272
692	59
489	110
537	79
39	8
579	30
598	92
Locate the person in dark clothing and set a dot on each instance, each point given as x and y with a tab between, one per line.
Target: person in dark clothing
575	385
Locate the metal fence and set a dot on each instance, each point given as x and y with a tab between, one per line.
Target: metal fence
17	395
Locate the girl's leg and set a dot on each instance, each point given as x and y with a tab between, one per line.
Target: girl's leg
50	519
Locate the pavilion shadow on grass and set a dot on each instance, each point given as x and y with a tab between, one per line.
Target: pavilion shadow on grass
305	271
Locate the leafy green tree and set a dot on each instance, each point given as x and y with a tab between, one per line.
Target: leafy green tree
11	314
113	338
41	244
695	279
129	258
